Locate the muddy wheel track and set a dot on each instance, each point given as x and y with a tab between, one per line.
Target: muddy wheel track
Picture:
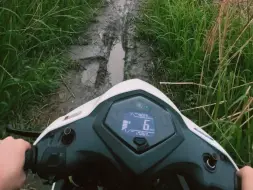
102	57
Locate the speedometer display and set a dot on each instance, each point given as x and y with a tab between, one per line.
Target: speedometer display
139	118
137	124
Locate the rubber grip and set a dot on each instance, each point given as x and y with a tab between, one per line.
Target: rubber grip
30	159
238	183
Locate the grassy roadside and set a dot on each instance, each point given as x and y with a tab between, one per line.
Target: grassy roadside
205	51
33	34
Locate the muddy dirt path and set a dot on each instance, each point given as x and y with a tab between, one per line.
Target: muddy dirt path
105	55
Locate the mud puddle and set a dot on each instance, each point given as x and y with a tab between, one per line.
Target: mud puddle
115	65
105	55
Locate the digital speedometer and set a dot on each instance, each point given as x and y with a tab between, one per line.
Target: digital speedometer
139	118
137	124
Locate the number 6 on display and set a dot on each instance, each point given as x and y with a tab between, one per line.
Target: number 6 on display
146	125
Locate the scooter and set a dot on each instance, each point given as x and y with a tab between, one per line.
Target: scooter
131	137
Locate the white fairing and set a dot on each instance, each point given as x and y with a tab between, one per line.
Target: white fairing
127	86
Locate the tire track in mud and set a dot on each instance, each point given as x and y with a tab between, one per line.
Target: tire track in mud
105	55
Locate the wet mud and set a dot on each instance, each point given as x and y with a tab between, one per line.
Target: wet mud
105	55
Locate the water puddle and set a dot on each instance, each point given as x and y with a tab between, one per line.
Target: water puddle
85	52
122	3
121	7
115	65
90	74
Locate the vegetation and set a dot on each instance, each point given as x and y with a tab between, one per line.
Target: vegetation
33	34
204	51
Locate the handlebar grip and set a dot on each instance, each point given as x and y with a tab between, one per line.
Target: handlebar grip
30	159
238	183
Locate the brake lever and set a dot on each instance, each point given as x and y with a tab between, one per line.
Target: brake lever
31	134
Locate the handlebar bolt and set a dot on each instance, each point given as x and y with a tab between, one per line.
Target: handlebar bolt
67	131
210	161
68	136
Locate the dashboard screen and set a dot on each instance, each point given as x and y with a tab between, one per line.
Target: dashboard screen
137	124
139	117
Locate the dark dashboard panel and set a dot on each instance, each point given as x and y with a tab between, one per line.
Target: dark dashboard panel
136	147
138	121
136	138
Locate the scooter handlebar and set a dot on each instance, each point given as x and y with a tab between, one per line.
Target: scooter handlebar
30	159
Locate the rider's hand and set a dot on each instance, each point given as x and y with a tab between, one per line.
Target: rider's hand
246	174
12	159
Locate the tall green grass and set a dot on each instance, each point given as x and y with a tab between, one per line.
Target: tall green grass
33	34
204	50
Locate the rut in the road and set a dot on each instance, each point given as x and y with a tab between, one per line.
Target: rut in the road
104	56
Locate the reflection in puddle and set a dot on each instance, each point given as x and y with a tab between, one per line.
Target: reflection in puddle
115	65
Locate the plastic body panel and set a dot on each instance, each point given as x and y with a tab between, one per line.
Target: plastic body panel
124	87
94	143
